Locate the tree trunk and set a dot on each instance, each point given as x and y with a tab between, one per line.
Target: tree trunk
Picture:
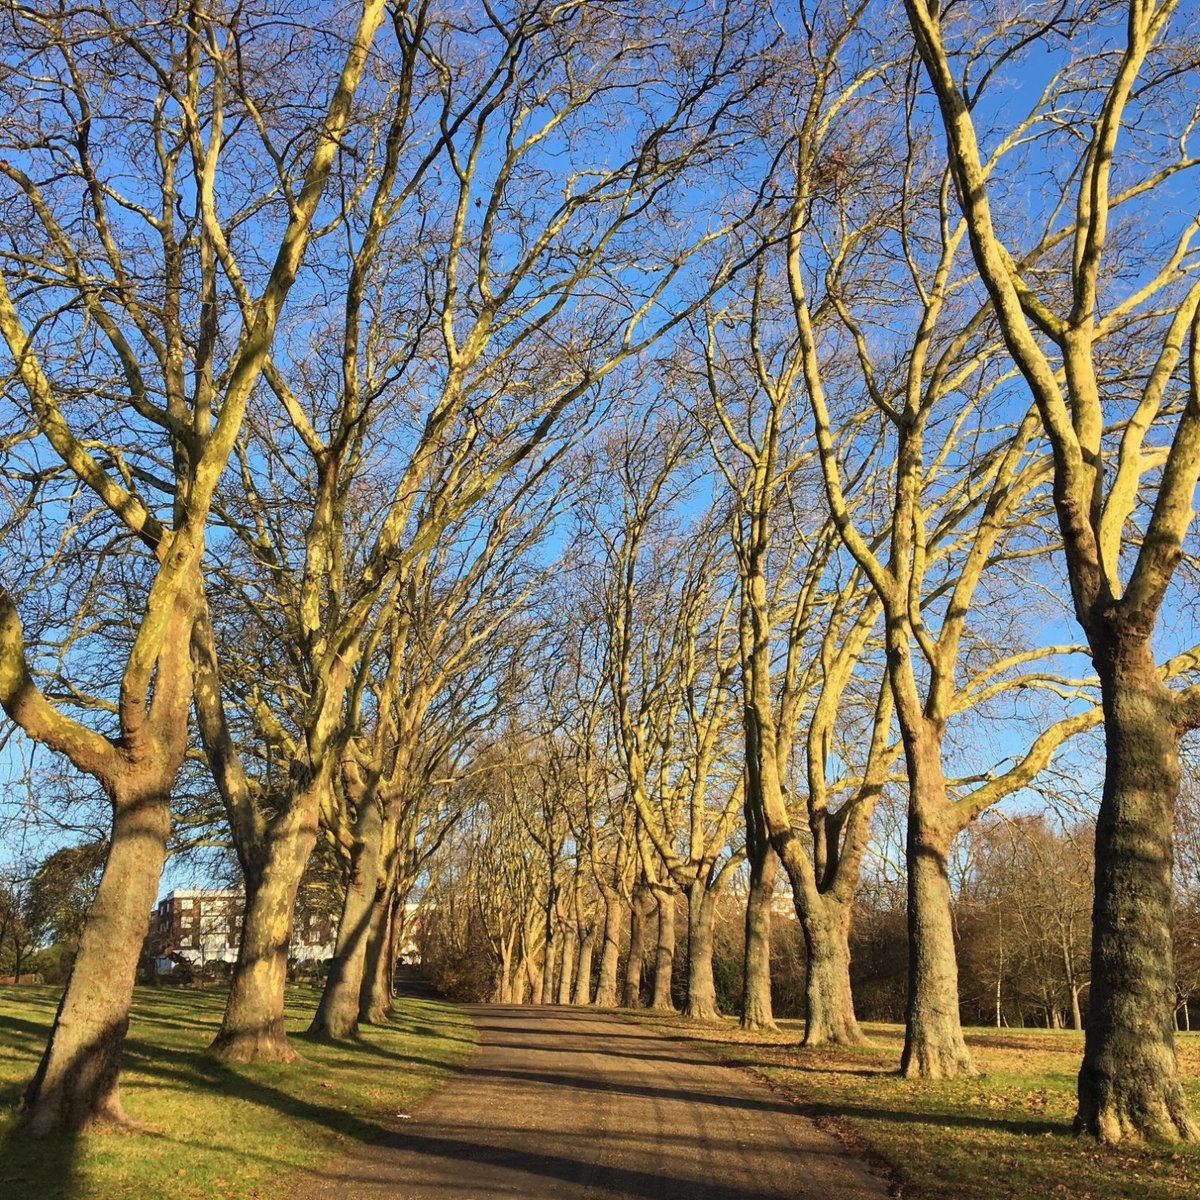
545	992
757	1012
76	1084
583	968
337	1014
397	928
606	983
830	1002
253	1030
504	979
933	1040
570	944
664	955
1129	1081
701	1004
635	964
375	995
534	980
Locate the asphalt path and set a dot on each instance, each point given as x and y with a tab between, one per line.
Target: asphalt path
564	1102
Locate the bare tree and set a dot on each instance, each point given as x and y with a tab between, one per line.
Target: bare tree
535	280
118	167
1123	485
670	659
964	487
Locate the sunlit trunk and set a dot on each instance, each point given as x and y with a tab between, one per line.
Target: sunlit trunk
757	1012
337	1014
253	1029
635	963
610	951
570	944
701	1003
830	1016
933	1041
76	1084
664	955
1129	1083
582	992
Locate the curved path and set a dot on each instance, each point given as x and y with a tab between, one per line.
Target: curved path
563	1102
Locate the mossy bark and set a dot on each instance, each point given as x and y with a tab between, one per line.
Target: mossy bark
337	1014
934	1047
76	1084
830	1001
757	1011
661	999
1129	1083
252	1029
701	1003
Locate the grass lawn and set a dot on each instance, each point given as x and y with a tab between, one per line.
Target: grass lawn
1004	1134
222	1132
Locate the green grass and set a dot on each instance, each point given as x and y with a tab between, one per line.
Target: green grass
221	1132
1004	1134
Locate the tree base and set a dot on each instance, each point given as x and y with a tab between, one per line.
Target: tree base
1139	1109
755	1025
253	1047
927	1059
377	1016
45	1118
332	1031
834	1035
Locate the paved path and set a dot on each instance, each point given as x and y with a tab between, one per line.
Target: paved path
568	1103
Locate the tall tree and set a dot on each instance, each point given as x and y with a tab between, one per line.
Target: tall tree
494	283
1124	429
671	656
137	371
964	481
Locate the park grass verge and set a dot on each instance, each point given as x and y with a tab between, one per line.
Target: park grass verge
1006	1133
221	1132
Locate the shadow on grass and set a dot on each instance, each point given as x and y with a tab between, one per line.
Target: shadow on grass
54	1167
37	1167
1030	1127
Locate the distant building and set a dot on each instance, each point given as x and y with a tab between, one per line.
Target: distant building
203	925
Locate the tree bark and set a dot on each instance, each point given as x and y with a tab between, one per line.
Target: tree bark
566	975
830	1016
375	995
545	992
610	953
664	955
635	964
503	992
337	1014
701	1004
1129	1081
933	1040
253	1029
76	1084
582	993
757	1011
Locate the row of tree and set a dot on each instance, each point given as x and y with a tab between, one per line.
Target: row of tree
653	442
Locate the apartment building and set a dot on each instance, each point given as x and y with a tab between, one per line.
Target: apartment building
203	925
